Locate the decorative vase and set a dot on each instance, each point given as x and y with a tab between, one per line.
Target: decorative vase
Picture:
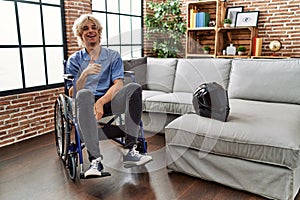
231	50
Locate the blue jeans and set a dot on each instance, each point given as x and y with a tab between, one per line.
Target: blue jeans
128	101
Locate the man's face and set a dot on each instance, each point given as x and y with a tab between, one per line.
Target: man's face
90	35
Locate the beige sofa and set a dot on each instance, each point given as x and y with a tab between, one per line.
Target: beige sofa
257	149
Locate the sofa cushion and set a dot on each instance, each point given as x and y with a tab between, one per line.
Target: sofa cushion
171	103
160	73
149	93
139	66
276	80
256	131
190	73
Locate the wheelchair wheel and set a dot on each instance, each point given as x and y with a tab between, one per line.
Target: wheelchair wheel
72	165
62	135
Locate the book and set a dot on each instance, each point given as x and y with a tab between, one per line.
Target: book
199	19
254	46
192	18
206	19
202	19
258	46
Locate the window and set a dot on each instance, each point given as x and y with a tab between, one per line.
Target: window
31	45
122	25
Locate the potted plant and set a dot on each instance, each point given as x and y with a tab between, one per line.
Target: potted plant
227	22
165	31
241	50
206	49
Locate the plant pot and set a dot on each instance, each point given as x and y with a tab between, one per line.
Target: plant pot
226	25
206	52
241	53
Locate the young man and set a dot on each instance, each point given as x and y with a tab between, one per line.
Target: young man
99	77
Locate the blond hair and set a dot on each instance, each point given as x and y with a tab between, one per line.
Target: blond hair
78	25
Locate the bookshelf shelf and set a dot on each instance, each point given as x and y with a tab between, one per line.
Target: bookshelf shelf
217	37
270	57
233	56
201	56
201	29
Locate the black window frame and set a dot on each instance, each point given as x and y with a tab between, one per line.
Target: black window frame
120	35
25	89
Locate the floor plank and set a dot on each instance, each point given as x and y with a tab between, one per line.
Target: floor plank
32	170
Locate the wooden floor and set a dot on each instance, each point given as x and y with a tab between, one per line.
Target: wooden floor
32	170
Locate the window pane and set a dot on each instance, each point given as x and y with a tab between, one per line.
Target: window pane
125	6
125	30
52	25
98	5
56	2
137	51
8	33
136	8
113	29
55	66
137	30
30	23
33	60
113	6
32	0
126	52
10	73
102	18
117	48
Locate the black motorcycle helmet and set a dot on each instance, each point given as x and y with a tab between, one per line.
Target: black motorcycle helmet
211	100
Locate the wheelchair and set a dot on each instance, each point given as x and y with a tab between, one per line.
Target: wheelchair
68	143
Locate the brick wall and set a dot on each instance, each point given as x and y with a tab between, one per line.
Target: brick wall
27	115
280	20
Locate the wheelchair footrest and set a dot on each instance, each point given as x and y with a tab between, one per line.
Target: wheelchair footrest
103	174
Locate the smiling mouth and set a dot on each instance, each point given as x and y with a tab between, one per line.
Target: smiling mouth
91	35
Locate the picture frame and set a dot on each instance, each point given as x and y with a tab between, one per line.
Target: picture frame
231	13
247	19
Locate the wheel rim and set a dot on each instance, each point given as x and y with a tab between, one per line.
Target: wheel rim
59	129
72	166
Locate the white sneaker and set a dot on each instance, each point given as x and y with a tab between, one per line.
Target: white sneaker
95	168
133	158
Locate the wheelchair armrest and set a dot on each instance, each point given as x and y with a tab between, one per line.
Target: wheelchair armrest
129	73
69	77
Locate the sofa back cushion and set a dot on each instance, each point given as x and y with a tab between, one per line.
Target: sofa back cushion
276	80
190	73
160	73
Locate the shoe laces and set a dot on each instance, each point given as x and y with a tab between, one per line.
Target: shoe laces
94	164
134	152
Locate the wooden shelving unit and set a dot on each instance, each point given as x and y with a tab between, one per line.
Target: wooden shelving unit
225	56
237	36
197	38
270	57
217	37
